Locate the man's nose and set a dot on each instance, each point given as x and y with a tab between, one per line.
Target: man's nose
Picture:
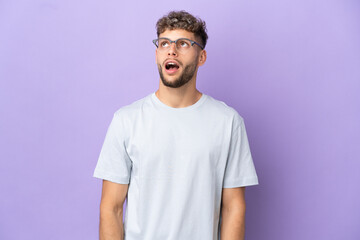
172	49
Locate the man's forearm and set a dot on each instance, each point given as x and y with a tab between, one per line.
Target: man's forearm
111	225
232	224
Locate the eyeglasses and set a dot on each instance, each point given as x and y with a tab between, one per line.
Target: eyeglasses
182	44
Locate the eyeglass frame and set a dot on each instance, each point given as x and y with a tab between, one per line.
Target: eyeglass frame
175	41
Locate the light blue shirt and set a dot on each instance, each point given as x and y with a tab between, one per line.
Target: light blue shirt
176	162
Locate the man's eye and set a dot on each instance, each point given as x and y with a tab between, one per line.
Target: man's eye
184	44
164	44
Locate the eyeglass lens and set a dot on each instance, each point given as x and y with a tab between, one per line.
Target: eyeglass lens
181	44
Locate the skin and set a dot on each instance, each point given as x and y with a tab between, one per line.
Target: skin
111	210
233	208
175	90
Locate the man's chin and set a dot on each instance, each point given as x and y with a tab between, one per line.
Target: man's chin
170	81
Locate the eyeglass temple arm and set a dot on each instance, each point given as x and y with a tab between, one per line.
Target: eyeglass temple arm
197	44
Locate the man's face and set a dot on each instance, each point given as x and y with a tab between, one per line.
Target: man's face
188	62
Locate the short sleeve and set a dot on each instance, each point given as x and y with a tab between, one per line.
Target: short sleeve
114	163
240	170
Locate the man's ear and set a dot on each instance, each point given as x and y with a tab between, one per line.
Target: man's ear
202	58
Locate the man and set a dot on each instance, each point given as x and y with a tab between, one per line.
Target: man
179	157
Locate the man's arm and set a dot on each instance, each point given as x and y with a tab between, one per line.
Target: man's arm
111	210
233	214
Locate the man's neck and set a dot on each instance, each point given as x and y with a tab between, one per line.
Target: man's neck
178	99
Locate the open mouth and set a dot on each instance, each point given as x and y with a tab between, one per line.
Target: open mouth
171	67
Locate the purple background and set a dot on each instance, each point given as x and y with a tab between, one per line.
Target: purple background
290	68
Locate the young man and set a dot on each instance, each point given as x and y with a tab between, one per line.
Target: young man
179	157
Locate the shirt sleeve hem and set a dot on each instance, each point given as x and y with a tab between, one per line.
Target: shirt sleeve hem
111	177
242	183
